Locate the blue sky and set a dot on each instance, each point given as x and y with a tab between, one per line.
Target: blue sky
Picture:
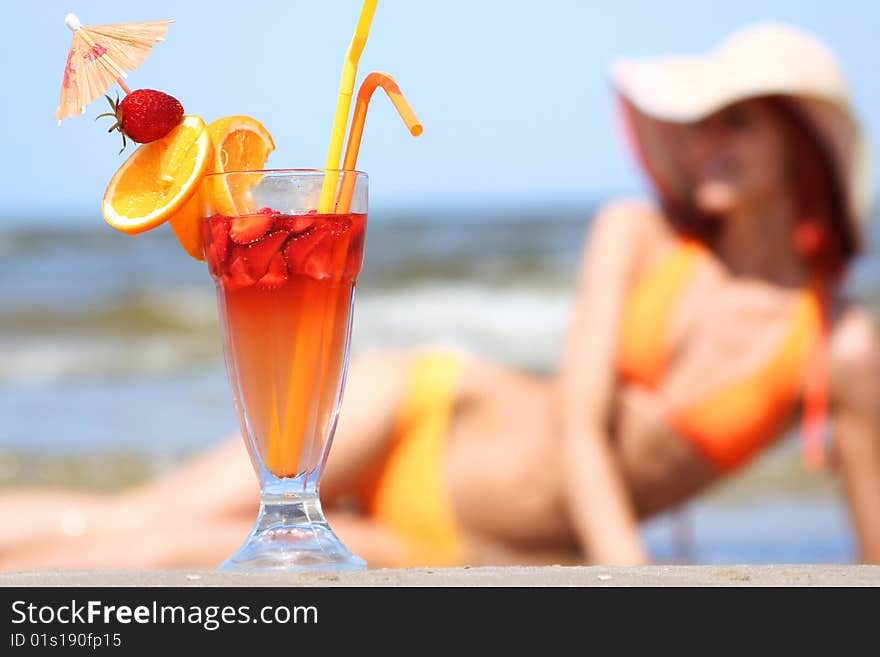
513	95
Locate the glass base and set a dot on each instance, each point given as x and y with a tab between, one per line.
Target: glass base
291	534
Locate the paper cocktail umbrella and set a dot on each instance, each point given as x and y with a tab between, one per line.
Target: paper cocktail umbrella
100	56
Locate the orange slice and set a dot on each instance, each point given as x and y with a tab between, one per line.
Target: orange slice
158	178
241	143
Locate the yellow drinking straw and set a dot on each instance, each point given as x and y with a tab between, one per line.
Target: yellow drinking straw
343	104
310	364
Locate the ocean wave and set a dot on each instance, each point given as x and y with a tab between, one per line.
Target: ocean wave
151	310
28	360
515	324
167	332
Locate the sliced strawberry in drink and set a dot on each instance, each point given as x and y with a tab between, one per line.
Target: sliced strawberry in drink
238	274
338	226
219	226
317	252
319	263
298	251
331	261
215	263
302	223
354	257
250	227
276	274
325	260
295	223
295	251
216	239
261	252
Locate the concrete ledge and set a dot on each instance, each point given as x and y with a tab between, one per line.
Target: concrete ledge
517	576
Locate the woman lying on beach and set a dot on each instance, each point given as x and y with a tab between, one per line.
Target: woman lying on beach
706	325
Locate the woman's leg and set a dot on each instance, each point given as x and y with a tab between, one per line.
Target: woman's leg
190	546
28	515
374	392
379	546
211	494
195	545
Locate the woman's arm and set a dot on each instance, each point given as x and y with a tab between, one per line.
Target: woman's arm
855	406
597	500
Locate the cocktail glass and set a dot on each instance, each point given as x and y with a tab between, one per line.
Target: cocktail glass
285	278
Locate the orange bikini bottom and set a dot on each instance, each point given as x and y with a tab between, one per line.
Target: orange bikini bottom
408	494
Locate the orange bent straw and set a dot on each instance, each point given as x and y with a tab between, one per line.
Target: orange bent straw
365	93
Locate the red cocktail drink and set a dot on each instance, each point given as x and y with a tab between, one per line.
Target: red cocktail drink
285	304
285	278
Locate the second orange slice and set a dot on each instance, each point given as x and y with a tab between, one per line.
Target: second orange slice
240	143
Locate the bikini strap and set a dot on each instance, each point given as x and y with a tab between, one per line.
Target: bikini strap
643	348
814	423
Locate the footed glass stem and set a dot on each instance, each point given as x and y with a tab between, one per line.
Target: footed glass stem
291	533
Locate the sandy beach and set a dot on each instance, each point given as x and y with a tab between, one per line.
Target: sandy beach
587	576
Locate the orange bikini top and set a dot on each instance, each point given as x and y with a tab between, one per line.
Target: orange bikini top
730	424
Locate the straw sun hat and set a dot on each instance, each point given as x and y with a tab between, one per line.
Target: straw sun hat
762	60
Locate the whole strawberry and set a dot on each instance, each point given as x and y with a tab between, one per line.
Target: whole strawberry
144	115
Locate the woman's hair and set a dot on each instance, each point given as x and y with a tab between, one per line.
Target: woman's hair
823	236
